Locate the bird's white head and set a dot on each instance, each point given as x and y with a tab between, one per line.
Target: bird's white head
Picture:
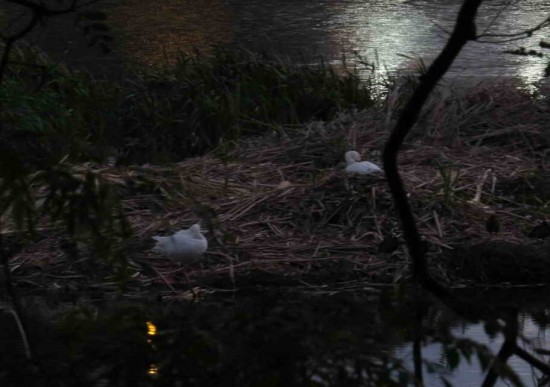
195	230
352	157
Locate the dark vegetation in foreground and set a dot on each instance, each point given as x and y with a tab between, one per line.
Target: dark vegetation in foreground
300	337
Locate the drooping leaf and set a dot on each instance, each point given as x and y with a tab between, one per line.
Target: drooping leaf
453	358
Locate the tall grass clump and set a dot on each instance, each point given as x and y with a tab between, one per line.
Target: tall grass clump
49	113
52	119
164	114
189	108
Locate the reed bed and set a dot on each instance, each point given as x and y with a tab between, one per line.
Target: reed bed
166	113
277	208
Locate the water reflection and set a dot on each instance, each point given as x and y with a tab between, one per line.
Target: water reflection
436	356
273	338
383	31
419	29
151	329
380	30
153	32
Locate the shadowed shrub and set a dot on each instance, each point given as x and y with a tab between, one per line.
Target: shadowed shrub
169	113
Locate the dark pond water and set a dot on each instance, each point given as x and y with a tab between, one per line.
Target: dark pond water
393	34
310	337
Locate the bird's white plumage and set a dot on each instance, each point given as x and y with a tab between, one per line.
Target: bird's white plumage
355	165
185	246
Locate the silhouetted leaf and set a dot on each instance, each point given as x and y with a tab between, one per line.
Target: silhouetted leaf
491	328
484	359
453	358
465	348
446	383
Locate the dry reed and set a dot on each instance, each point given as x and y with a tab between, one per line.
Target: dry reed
279	208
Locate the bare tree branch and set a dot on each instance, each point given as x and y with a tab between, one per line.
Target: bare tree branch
523	354
498	14
464	31
39	11
501	38
511	330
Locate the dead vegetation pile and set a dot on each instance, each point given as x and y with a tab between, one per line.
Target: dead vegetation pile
279	207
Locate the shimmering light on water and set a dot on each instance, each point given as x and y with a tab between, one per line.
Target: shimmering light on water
382	31
386	32
391	33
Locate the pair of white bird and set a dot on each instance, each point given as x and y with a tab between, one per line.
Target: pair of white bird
188	245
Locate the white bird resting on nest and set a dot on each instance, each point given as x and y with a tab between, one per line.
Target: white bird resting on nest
185	246
355	165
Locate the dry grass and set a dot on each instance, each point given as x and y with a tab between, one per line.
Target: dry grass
279	207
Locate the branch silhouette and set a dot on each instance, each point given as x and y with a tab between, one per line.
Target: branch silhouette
464	31
39	11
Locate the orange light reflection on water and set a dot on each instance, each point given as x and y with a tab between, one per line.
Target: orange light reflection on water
152	331
158	32
153	370
151	328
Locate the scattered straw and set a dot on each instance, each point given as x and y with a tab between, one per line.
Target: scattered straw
281	205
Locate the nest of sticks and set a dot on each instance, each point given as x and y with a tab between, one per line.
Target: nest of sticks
279	208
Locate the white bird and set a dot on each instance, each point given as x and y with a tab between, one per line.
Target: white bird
355	165
185	246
